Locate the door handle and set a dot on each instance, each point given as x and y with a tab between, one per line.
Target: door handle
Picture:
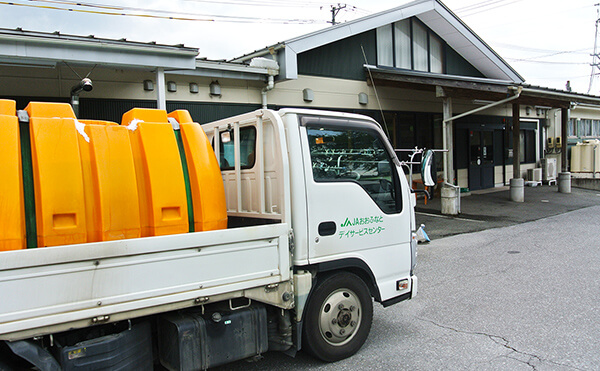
327	229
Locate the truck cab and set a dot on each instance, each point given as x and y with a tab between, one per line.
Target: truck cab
352	214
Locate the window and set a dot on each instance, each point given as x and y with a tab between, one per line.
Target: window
571	128
385	46
409	44
436	54
402	39
353	155
584	128
527	146
420	50
247	148
596	128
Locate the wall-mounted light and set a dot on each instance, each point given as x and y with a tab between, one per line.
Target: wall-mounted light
215	89
194	88
84	85
363	98
171	86
148	85
308	95
528	110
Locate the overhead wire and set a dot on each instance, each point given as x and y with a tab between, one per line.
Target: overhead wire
279	3
116	10
484	6
119	10
543	62
595	54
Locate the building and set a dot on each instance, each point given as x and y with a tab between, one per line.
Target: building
418	69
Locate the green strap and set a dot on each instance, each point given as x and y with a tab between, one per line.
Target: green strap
186	177
28	188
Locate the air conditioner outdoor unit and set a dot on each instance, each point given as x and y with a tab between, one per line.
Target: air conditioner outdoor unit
549	170
535	175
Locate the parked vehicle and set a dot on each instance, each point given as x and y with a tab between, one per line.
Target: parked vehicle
135	244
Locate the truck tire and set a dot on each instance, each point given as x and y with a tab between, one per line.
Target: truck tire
338	317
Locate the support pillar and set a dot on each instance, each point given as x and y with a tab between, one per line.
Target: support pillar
450	192
517	191
449	140
161	98
564	177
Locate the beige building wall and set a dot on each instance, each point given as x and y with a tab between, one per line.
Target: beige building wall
111	83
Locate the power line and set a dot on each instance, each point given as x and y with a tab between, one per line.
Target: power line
104	12
478	5
153	13
543	62
269	3
595	56
548	55
537	50
484	6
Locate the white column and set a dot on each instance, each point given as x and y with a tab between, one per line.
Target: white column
161	98
449	141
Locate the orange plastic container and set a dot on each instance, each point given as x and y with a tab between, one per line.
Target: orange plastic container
206	182
12	209
57	175
112	205
161	185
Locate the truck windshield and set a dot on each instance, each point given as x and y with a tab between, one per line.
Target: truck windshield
354	155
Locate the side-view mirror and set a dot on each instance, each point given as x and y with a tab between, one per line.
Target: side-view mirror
426	164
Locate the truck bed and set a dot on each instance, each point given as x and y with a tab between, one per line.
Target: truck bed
52	289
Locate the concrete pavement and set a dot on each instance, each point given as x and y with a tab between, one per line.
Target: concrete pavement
493	208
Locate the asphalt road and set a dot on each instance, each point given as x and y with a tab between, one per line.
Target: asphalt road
522	297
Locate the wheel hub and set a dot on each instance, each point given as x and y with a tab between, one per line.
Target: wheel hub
344	318
340	317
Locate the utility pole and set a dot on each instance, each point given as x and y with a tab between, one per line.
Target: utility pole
334	12
595	56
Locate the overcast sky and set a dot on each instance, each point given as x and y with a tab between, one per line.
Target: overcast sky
546	41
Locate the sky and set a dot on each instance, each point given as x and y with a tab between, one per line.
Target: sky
548	42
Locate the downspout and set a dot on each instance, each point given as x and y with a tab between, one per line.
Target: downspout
594	162
517	95
263	93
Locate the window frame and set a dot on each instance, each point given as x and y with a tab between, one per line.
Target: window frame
232	140
413	24
343	124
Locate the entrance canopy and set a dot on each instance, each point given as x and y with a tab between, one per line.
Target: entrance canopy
465	87
492	91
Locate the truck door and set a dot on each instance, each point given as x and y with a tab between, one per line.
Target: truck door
358	207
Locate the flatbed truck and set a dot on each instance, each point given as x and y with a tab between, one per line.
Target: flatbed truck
321	222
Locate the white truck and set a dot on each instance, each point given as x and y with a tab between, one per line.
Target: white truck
321	222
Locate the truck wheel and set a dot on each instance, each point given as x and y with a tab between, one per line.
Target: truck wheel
338	317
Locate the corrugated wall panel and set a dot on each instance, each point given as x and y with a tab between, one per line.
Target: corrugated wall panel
109	109
342	59
202	112
207	112
457	65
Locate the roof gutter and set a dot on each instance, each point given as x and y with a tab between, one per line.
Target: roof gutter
258	53
566	96
99	43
